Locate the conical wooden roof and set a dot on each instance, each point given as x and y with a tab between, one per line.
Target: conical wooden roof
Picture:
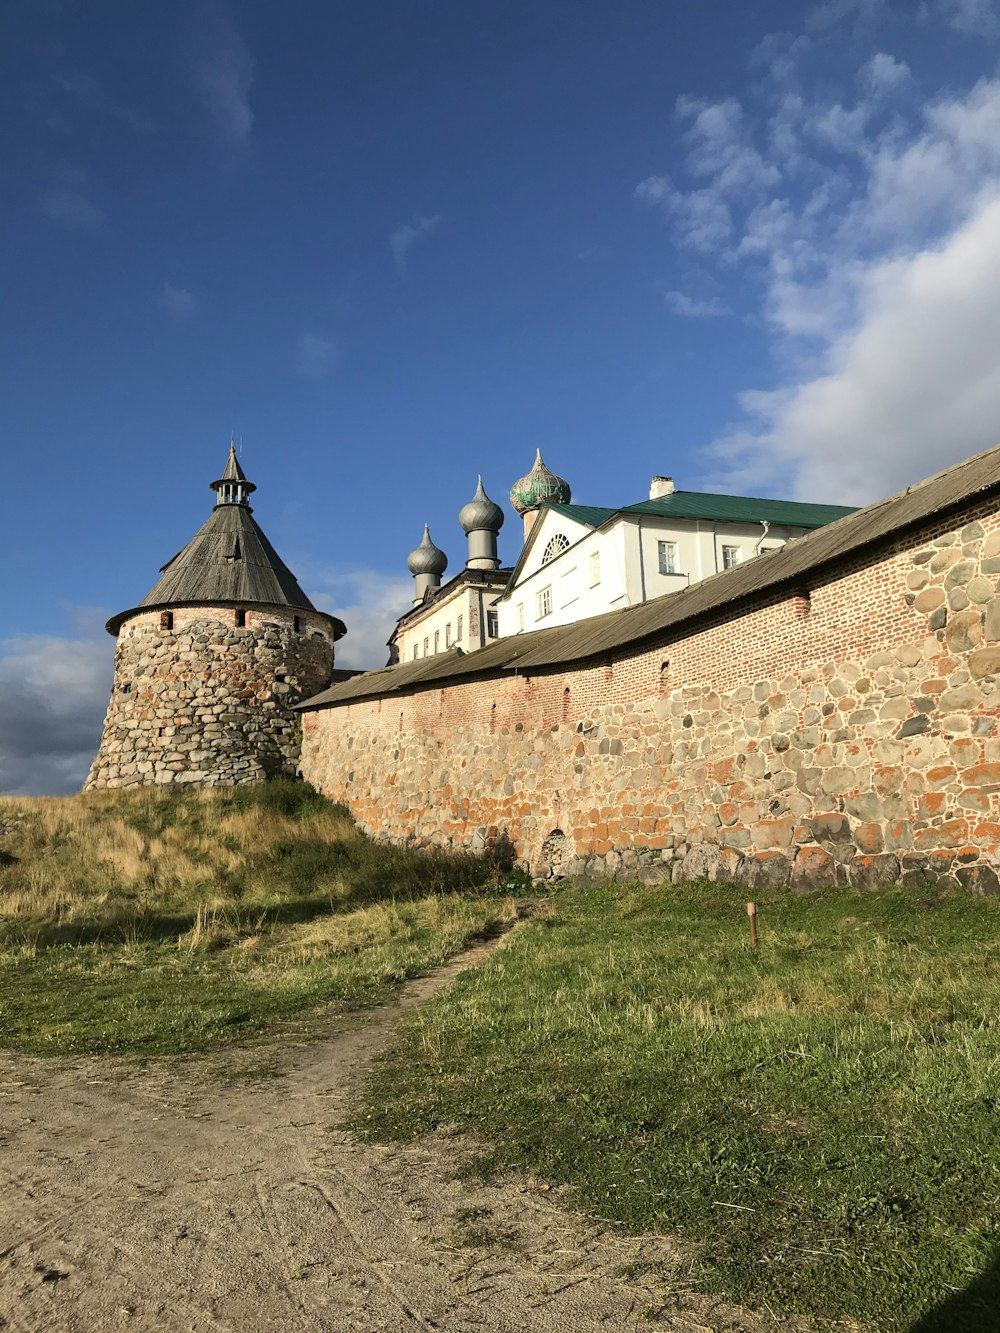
229	559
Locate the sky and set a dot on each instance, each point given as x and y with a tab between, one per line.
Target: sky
391	244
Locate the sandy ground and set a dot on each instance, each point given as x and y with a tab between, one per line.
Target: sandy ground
216	1194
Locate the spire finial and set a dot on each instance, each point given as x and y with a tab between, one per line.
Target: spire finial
232	487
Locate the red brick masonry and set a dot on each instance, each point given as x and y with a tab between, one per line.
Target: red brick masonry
845	733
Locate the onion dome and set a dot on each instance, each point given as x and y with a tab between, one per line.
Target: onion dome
480	514
427	558
539	487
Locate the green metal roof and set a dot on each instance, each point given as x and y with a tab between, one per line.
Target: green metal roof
592	515
735	509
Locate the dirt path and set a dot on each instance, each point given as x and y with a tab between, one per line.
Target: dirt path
210	1195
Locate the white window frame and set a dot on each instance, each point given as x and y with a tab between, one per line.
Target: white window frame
732	556
595	568
543	602
447	635
459	628
519	616
667	557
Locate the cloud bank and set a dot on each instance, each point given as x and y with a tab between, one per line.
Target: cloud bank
870	228
53	697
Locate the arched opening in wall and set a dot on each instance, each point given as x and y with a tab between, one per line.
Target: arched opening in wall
609	669
493	717
296	624
241	618
801	603
166	620
565	704
554	855
664	677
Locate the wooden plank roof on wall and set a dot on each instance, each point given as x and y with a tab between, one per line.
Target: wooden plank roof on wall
790	567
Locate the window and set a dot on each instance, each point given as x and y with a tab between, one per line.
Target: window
556	546
667	552
437	639
241	619
447	635
544	602
520	616
296	624
595	568
166	620
492	625
731	555
426	646
458	629
416	650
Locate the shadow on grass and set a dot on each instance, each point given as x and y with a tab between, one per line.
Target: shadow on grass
974	1310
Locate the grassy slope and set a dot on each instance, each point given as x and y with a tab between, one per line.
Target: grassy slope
823	1114
152	923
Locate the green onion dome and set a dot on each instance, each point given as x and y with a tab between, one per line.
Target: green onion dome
539	487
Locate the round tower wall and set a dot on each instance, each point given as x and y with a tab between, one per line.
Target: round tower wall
201	698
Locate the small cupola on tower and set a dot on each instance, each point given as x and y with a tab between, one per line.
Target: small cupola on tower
232	488
426	563
539	487
481	521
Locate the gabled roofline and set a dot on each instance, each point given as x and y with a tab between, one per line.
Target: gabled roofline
728	593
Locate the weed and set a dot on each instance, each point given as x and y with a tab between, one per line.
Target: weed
821	1114
151	922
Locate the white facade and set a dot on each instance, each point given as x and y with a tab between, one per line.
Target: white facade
460	618
627	559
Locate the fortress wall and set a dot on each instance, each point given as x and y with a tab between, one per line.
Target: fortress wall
206	702
847	733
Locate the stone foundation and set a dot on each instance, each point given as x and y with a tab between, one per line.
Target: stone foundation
840	733
199	699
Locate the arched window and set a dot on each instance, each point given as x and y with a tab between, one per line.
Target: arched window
555	546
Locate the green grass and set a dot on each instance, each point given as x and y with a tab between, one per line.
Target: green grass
824	1114
138	922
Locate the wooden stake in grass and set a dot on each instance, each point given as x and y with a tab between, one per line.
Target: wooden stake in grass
752	914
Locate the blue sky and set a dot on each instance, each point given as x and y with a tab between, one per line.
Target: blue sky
393	244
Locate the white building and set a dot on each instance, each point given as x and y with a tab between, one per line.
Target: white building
581	560
460	613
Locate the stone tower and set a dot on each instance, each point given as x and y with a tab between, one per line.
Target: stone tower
211	661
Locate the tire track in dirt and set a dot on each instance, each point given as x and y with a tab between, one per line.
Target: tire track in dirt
163	1198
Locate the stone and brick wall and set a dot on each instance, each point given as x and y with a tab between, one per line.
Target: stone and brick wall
846	732
202	700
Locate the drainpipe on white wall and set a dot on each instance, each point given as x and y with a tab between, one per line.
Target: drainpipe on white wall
763	536
642	566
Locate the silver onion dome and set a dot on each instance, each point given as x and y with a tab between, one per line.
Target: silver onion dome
480	514
539	487
427	558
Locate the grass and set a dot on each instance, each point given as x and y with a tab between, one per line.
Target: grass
139	922
823	1115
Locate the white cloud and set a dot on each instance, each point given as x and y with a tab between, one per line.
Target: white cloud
53	696
67	201
178	302
224	72
369	603
691	307
403	239
972	18
315	356
883	75
874	235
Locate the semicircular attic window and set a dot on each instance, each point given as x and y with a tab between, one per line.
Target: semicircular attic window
555	546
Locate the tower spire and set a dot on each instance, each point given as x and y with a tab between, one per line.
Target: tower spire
232	488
